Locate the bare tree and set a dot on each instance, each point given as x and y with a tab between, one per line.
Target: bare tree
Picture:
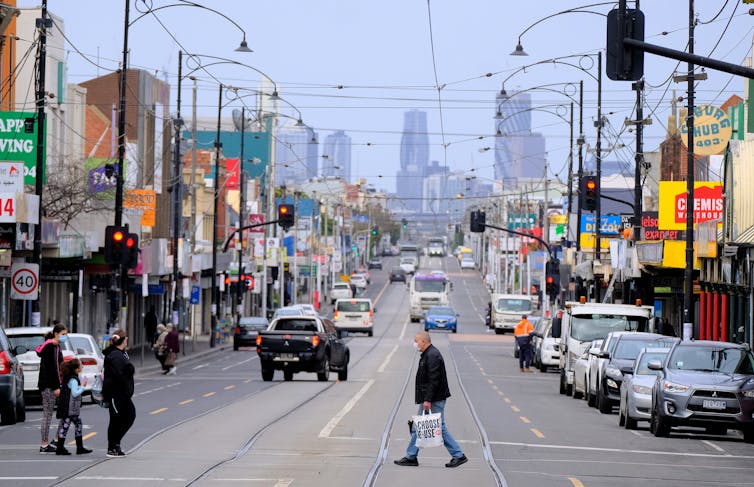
66	194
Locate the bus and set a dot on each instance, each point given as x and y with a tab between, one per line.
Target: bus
426	290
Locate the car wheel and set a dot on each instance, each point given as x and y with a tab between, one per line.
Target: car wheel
235	346
749	435
498	331
630	423
657	426
287	375
515	353
603	404
569	389
8	413
455	330
591	399
343	374
562	389
325	374
542	367
370	333
577	394
268	373
426	329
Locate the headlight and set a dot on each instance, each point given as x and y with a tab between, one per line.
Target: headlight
642	389
613	372
668	386
612	383
749	393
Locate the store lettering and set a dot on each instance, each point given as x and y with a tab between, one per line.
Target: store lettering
12	146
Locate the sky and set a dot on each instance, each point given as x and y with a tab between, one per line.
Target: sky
358	65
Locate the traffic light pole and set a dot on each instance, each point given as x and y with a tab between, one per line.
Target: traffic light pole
545	244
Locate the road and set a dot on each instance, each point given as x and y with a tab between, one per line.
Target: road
217	423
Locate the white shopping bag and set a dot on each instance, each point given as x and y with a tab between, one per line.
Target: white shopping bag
428	427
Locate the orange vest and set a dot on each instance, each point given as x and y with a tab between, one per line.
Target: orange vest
523	328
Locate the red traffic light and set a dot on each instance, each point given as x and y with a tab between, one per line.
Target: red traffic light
591	185
549	280
130	242
118	236
283	210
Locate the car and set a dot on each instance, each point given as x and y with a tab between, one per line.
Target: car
705	384
397	274
359	280
596	366
340	290
88	352
365	272
627	348
548	354
636	389
581	370
25	340
287	311
308	309
467	263
246	331
408	265
441	318
12	405
375	264
354	315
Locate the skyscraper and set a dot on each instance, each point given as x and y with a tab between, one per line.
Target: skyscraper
296	151
414	159
336	155
519	152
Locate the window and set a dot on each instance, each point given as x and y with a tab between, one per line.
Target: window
643	366
354	306
515	305
731	360
297	325
429	285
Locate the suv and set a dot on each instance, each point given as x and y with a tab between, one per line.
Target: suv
12	407
397	274
354	315
375	264
340	290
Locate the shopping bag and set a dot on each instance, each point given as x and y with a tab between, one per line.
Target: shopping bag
428	427
170	359
97	396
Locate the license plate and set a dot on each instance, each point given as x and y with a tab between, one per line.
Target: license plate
441	325
30	367
711	404
286	357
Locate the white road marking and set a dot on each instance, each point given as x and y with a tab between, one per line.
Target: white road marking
387	359
142	479
620	450
279	482
341	414
28	478
403	331
143	393
200	366
636	433
241	362
707	442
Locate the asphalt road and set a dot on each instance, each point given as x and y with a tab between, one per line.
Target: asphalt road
217	423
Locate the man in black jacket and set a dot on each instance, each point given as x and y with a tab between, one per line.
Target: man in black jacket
431	391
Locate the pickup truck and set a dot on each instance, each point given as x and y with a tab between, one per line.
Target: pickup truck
302	344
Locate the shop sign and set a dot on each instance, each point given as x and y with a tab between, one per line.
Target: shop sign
651	230
708	203
712	130
18	141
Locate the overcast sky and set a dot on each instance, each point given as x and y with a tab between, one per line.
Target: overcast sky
357	65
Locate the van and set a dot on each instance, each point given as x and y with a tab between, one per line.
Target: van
354	315
507	310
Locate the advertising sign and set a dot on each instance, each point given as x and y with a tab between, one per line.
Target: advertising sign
231	173
708	203
144	200
256	219
712	130
11	177
102	179
18	141
651	230
609	224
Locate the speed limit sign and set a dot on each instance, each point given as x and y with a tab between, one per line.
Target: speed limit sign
24	279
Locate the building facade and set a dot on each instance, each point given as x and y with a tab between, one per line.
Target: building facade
414	158
336	156
519	152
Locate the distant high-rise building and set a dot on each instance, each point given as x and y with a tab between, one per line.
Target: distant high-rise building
444	192
336	155
414	159
296	154
519	152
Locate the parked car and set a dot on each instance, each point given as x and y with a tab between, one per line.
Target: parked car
548	353
636	389
340	290
467	263
12	405
354	315
359	280
441	318
288	311
247	330
706	384
581	370
88	352
25	341
397	274
375	264
596	366
365	272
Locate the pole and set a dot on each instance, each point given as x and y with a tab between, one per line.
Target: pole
570	176
639	86
598	159
546	204
580	143
177	184
123	292
41	95
688	284
213	278
264	249
193	190
241	202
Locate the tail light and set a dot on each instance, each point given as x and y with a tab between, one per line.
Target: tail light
371	313
238	330
68	358
88	361
335	315
259	340
4	363
315	341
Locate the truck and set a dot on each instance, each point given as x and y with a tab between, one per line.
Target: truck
425	290
302	344
580	322
436	247
410	251
507	310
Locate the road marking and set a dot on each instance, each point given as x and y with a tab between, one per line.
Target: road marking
525	419
247	381
209	394
387	359
482	370
382	291
229	388
85	437
620	450
501	393
507	400
490	381
31	478
537	433
515	409
576	482
707	442
158	411
200	366
330	426
279	482
187	401
403	331
142	479
495	387
636	433
241	362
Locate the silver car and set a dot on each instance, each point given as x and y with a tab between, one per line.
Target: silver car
636	388
581	370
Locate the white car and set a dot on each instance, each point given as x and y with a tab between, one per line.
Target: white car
354	315
25	341
288	311
408	266
340	290
581	370
92	361
308	309
468	263
549	350
359	280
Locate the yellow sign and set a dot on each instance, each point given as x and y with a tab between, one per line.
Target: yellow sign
558	219
712	130
588	241
708	204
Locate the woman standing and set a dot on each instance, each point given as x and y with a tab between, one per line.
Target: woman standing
172	344
160	349
117	389
50	358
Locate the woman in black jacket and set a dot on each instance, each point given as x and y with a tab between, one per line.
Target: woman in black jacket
50	358
117	389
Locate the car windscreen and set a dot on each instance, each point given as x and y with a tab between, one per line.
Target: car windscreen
513	305
440	310
642	368
82	346
630	349
712	359
254	323
30	342
288	312
588	327
353	306
341	286
296	325
429	285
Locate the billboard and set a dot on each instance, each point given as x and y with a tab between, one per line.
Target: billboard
18	142
708	204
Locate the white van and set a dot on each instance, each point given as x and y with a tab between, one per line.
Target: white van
507	310
354	315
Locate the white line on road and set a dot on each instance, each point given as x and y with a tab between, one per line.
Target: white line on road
138	479
619	450
34	478
636	432
707	442
200	366
403	331
387	359
279	482
341	414
243	361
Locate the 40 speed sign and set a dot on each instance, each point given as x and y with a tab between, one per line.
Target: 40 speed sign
24	280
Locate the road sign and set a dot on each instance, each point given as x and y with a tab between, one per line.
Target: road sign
256	219
24	280
195	293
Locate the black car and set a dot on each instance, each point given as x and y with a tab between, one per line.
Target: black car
247	330
12	407
375	264
397	274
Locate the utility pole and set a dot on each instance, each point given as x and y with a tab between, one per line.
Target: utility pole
598	214
570	177
580	142
193	186
241	202
688	284
177	199
121	274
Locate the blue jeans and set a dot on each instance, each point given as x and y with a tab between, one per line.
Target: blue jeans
450	444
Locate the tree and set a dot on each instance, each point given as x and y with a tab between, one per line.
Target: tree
66	195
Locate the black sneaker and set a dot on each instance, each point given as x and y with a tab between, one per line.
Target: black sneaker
457	461
407	462
47	449
115	453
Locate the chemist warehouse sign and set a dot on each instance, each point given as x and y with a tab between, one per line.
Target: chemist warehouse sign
708	204
18	141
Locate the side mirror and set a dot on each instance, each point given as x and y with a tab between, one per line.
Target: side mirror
627	370
557	324
604	355
654	365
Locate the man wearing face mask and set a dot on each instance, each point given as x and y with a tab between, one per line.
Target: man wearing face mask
431	391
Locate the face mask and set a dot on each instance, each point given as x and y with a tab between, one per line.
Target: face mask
63	338
416	346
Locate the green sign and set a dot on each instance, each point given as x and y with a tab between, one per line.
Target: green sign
18	142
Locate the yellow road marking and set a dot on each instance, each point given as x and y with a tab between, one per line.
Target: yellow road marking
158	411
515	409
382	291
209	394
507	400
576	482
85	437
525	419
228	388
186	401
537	433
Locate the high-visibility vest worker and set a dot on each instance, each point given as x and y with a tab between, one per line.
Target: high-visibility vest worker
523	328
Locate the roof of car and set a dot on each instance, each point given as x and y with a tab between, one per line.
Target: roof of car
28	330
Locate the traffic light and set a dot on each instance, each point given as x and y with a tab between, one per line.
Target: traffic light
589	193
131	251
115	241
478	220
375	231
552	278
624	63
404	223
285	216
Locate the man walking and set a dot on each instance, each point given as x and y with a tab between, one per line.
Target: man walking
523	332
431	391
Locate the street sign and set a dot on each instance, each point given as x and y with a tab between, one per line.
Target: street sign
256	219
195	292
24	280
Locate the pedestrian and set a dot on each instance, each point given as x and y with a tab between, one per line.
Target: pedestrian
523	333
171	344
150	325
160	348
50	360
117	390
69	407
430	392
488	315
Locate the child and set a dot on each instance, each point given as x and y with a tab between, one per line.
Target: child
69	407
